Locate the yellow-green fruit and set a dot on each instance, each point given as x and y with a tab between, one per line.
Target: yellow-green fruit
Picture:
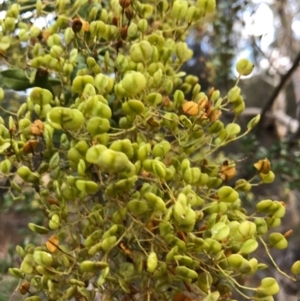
133	107
40	96
228	194
54	223
244	67
207	6
43	258
112	161
152	262
133	82
141	52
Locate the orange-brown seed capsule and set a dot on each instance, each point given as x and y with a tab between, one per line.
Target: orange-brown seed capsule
24	288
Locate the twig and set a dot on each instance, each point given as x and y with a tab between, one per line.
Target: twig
277	90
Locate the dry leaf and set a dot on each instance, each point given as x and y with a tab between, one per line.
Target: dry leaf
52	243
227	171
37	128
288	233
214	115
263	166
30	146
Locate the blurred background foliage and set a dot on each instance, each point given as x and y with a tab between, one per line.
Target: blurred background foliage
268	33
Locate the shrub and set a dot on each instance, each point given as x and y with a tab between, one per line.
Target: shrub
136	206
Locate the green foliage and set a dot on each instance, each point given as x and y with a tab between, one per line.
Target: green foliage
135	207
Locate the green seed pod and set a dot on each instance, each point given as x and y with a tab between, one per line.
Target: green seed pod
98	29
206	6
9	24
20	251
5	166
132	31
111	231
104	83
54	223
227	194
267	178
40	96
232	129
279	211
94	152
141	52
16	272
253	122
244	67
81	167
179	9
266	206
295	269
235	260
88	91
239	106
97	126
205	281
69	293
137	207
154	99
123	146
28	176
247	229
248	246
112	161
193	14
242	185
108	243
278	241
88	187
143	25
159	169
261	225
94	249
92	266
268	287
152	262
185	272
133	82
220	231
216	127
273	222
54	39
23	35
38	229
92	238
155	202
233	94
33	298
133	107
43	258
143	152
1	94
69	35
183	52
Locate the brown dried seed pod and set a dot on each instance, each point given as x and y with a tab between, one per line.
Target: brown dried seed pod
123	32
76	25
24	288
125	3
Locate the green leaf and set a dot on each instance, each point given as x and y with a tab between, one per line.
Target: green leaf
15	79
